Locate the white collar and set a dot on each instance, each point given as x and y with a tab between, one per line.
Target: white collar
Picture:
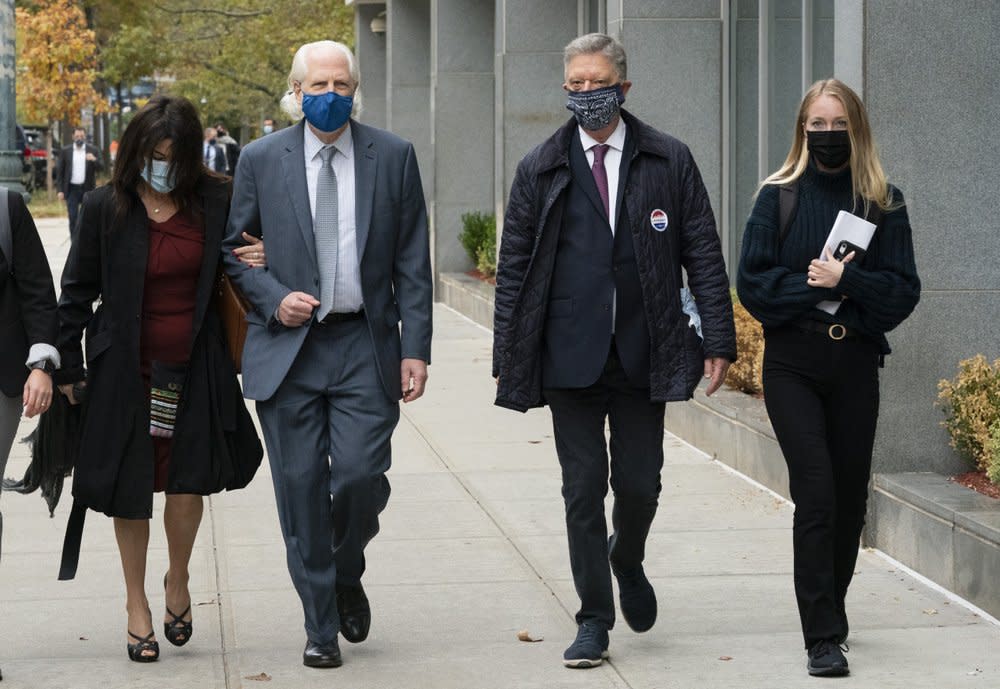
615	141
344	143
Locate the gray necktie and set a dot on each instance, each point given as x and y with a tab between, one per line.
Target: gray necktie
327	236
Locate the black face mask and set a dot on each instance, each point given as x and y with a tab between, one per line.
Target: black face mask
831	148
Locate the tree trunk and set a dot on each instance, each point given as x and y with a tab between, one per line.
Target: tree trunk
118	115
48	160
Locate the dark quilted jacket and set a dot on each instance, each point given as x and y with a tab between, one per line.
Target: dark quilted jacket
663	176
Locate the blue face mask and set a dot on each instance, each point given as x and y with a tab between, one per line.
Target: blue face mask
328	111
268	129
157	175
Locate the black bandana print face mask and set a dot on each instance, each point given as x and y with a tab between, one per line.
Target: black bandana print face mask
595	110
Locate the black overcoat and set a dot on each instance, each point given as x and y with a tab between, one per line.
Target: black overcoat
27	298
662	175
215	444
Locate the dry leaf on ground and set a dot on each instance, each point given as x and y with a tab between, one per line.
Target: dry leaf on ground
725	657
525	635
262	677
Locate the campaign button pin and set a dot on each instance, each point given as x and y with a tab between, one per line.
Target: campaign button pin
658	219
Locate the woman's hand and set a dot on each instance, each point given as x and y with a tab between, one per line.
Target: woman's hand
37	393
67	390
827	273
253	253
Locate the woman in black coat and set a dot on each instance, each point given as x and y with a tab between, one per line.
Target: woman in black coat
825	319
28	322
163	408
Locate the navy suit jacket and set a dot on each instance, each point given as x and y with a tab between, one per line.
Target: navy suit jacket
271	200
595	275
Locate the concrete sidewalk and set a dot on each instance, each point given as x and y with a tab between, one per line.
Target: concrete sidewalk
472	550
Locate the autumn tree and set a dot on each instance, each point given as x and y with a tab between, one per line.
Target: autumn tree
232	58
56	66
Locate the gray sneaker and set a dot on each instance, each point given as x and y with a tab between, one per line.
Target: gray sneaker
590	647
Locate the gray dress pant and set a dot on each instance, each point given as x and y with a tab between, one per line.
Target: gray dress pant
328	429
10	417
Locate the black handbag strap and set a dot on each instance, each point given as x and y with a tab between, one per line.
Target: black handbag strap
788	203
71	542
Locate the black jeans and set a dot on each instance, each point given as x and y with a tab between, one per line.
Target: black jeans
822	397
578	419
74	197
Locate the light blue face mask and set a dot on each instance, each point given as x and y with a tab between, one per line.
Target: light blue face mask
157	175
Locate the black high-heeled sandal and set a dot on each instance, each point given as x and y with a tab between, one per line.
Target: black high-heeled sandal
137	652
178	631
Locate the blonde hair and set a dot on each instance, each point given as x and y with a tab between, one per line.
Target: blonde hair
868	179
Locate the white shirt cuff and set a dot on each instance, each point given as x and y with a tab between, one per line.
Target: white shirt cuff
40	351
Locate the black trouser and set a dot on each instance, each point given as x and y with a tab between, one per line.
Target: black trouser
74	197
822	397
578	419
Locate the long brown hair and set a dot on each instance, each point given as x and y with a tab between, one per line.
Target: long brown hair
867	176
163	117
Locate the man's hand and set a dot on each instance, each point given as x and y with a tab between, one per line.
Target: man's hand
413	376
715	368
62	196
296	308
37	395
91	157
827	273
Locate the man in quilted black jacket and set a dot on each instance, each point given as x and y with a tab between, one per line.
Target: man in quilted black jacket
602	217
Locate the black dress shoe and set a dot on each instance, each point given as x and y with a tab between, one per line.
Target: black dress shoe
637	598
355	613
322	655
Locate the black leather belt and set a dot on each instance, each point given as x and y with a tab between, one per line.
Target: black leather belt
835	331
341	317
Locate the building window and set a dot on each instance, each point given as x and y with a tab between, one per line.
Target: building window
790	43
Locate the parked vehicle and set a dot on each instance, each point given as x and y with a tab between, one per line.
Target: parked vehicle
35	155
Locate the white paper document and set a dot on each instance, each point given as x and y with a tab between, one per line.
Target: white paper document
849	233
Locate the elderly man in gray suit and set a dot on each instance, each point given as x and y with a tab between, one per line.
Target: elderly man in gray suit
340	329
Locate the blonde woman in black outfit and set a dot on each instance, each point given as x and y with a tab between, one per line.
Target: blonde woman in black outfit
821	370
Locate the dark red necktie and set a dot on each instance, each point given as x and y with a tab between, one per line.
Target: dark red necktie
601	176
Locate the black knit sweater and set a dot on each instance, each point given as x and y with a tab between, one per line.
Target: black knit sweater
881	289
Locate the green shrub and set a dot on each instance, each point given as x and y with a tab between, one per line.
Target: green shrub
971	403
479	230
993	455
746	372
486	259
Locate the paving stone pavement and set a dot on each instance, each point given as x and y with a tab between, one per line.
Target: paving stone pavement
473	550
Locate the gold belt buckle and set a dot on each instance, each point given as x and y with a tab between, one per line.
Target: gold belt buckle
837	332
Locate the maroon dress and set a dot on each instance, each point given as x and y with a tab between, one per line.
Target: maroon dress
176	247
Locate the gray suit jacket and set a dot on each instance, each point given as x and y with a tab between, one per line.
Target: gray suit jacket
271	200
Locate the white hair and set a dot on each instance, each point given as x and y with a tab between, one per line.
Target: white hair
594	43
300	68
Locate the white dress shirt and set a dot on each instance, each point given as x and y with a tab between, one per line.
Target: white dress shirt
347	291
79	172
612	163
